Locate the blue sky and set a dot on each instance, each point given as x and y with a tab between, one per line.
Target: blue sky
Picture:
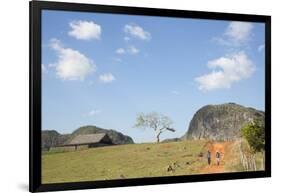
104	69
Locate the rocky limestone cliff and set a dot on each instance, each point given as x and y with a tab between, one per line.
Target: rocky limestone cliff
221	122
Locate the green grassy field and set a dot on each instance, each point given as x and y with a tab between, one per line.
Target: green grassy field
124	161
139	160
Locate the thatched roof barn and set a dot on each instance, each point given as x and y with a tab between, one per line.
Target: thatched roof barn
90	140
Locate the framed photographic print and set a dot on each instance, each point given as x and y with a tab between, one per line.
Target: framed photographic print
126	96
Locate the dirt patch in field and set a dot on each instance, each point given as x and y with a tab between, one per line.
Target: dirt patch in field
213	147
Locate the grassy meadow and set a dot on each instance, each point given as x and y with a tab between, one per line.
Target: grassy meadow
123	161
138	160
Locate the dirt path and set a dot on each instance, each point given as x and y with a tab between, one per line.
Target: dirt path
213	147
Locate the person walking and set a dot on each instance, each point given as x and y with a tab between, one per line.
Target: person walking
218	157
209	157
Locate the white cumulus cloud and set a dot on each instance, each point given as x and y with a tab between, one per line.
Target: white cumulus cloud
120	51
106	78
71	64
129	50
137	32
84	30
226	71
236	34
239	31
133	50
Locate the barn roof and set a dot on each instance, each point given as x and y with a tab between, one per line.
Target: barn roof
87	139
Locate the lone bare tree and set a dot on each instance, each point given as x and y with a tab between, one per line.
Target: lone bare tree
156	121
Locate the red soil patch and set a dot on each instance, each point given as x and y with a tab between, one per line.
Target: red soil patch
213	147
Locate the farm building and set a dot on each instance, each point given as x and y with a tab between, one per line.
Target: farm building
90	140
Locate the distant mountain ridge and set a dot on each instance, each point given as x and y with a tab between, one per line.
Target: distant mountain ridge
221	122
52	138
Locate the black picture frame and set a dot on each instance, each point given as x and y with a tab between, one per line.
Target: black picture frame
35	94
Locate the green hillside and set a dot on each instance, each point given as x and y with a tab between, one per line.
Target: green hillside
52	138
